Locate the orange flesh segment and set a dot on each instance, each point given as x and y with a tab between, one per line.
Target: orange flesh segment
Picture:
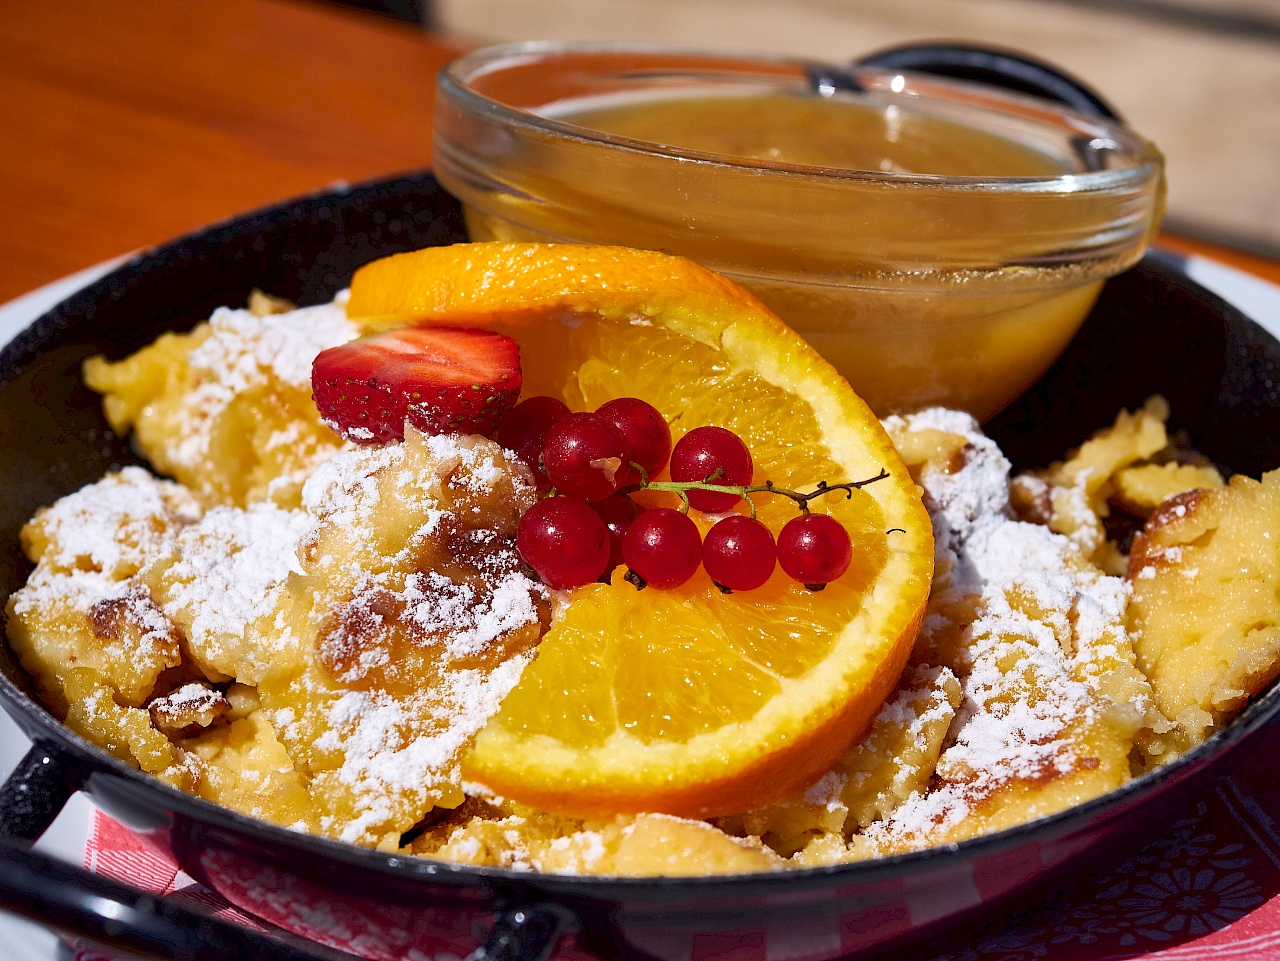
686	702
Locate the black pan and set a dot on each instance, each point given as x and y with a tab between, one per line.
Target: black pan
1152	331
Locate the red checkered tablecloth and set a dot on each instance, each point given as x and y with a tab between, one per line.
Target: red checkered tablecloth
1208	888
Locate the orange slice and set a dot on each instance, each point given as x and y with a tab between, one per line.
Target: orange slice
687	702
487	284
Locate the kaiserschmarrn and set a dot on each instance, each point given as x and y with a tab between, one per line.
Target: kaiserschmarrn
312	632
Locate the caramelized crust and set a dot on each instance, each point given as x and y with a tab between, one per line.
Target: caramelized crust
191	706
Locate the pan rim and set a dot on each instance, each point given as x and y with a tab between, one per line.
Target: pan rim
27	345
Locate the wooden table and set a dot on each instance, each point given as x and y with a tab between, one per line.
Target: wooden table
125	123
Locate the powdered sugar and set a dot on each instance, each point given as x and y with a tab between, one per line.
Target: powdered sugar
481	469
190	695
229	571
114	525
92	544
344	489
397	748
243	351
1045	620
825	792
470	620
242	347
961	502
423	623
190	705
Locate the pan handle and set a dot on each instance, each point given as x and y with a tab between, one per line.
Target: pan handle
97	908
36	791
994	67
106	912
527	932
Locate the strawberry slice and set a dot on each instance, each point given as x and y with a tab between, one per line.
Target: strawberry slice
443	380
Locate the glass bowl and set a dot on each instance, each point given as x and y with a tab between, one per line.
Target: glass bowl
954	286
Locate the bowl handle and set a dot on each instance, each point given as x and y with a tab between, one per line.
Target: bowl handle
994	67
97	908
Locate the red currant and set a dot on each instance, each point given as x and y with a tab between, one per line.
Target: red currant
565	541
814	549
584	455
663	547
646	432
739	553
617	512
700	453
524	430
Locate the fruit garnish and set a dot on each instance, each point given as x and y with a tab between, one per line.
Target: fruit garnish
814	550
443	380
522	284
739	553
715	455
524	430
584	456
564	540
662	547
647	434
685	701
617	512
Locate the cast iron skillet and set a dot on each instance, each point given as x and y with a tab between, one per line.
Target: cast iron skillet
1153	331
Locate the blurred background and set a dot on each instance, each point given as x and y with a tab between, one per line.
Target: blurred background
1199	77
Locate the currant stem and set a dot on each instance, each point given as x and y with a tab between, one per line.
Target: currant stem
745	490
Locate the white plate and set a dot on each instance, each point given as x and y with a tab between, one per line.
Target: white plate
67	837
